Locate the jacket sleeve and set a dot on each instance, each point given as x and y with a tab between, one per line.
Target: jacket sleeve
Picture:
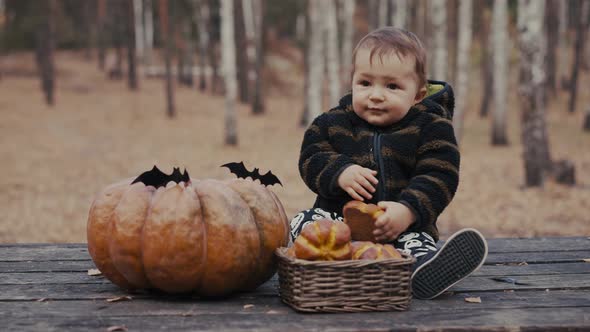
436	176
319	164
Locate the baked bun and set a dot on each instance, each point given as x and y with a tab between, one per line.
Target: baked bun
324	239
370	250
361	217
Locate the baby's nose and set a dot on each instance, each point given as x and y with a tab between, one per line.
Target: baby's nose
376	94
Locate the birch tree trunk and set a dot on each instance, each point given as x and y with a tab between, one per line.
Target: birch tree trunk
258	105
373	14
382	13
486	62
400	12
551	21
562	44
148	36
250	33
315	61
202	8
138	28
131	38
228	58
347	11
331	42
189	51
166	29
531	82
463	64
500	64
241	57
578	50
438	12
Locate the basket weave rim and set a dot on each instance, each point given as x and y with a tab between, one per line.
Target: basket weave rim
407	259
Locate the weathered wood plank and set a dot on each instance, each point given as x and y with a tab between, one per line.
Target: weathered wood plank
46	266
78	251
537	282
538	257
554	319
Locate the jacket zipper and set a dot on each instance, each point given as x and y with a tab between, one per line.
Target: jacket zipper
379	162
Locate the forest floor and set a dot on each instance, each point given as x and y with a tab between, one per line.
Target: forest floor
55	159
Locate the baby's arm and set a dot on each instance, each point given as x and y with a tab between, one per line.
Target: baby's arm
436	175
320	165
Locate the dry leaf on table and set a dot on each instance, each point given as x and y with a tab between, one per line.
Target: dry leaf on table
248	306
120	298
473	299
94	272
587	260
117	328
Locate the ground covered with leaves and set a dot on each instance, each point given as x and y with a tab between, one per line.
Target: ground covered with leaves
55	159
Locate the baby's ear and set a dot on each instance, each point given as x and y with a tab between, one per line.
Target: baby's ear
420	95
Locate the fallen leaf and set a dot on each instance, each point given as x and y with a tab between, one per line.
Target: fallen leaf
248	306
117	328
43	299
94	272
523	263
473	299
272	312
587	260
120	298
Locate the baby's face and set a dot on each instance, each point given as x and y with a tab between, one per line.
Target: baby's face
384	92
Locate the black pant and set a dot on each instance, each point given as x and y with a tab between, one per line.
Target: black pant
418	244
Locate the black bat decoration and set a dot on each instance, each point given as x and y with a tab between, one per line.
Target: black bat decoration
157	178
239	169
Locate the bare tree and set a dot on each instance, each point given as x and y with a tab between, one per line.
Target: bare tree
500	60
531	80
101	9
562	40
463	64
373	14
347	12
250	33
382	13
486	59
586	126
166	29
131	37
551	21
315	61
148	36
332	58
438	13
138	28
228	58
242	62
45	48
202	8
400	12
581	27
258	105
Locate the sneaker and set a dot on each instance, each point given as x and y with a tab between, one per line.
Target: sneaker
462	254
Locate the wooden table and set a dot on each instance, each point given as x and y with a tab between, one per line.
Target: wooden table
45	287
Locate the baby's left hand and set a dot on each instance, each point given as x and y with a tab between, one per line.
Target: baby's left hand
396	220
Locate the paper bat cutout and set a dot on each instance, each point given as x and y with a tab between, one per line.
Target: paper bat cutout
157	178
267	179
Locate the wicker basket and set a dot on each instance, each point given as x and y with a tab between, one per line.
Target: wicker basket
345	286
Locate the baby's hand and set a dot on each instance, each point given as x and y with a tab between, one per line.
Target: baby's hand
358	182
396	220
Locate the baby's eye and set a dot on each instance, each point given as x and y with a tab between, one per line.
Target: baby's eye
392	86
364	83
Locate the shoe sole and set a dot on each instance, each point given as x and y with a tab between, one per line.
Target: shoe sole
461	255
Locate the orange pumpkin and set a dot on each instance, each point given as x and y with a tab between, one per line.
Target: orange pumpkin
324	239
370	250
208	236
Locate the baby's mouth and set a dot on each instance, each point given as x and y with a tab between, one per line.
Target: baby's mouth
375	109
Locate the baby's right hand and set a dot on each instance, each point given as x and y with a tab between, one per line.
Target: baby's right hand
358	182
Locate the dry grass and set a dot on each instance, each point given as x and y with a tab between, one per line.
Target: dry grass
54	160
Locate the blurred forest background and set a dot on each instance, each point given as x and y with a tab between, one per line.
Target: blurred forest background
95	91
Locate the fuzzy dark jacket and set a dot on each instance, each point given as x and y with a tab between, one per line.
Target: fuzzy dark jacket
417	158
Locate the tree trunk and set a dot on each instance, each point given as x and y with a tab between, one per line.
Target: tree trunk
551	21
500	57
258	104
486	63
202	23
131	36
45	49
304	120
214	55
332	58
250	34
89	26
578	50
228	57
531	81
102	33
148	18
166	29
315	60
463	64
119	18
438	13
586	126
348	8
382	13
400	12
373	14
241	57
562	44
138	27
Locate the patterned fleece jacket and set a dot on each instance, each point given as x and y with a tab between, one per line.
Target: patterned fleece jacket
416	158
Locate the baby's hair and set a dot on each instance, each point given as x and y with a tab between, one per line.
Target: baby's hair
401	42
